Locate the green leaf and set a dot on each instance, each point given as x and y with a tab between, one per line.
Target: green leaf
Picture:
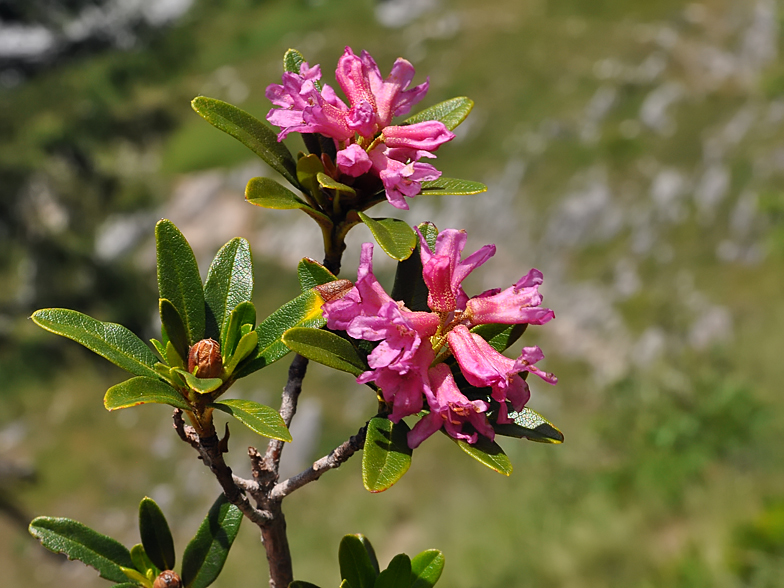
430	233
326	348
250	131
370	551
301	584
173	357
207	552
355	565
138	577
261	419
530	425
200	385
328	183
311	274
452	187
426	568
245	347
159	347
174	328
267	193
450	112
178	278
142	561
229	283
292	60
77	541
126	585
109	340
156	536
395	237
303	311
308	169
500	337
386	456
397	574
409	285
243	314
142	390
488	453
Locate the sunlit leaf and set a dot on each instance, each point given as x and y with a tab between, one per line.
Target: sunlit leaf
247	345
487	453
426	568
500	337
142	562
261	419
355	565
250	131
143	390
303	311
109	340
205	555
395	237
327	182
450	112
267	193
229	283
397	574
452	187
155	534
326	348
311	274
200	385
174	328
178	278
78	541
243	314
530	425
386	456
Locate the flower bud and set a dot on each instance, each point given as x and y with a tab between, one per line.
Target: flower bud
334	290
167	579
206	356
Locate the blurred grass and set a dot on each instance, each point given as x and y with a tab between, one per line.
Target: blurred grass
671	475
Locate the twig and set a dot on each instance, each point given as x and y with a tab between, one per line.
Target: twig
288	408
335	459
211	455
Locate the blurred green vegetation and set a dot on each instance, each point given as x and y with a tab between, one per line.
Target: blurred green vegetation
649	135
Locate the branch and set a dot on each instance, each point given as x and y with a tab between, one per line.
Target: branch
335	459
210	453
288	407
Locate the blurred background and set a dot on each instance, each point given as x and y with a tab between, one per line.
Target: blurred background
633	151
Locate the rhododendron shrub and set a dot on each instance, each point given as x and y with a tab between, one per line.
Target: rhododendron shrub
435	358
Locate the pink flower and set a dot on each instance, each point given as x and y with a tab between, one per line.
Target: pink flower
401	179
451	410
353	161
484	366
401	365
428	136
365	299
515	305
443	271
390	152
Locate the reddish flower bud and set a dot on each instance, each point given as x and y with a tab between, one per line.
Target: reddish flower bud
334	290
167	579
206	356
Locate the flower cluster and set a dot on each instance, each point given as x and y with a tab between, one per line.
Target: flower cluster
404	364
364	137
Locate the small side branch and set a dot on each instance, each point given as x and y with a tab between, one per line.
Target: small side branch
335	459
288	408
210	453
